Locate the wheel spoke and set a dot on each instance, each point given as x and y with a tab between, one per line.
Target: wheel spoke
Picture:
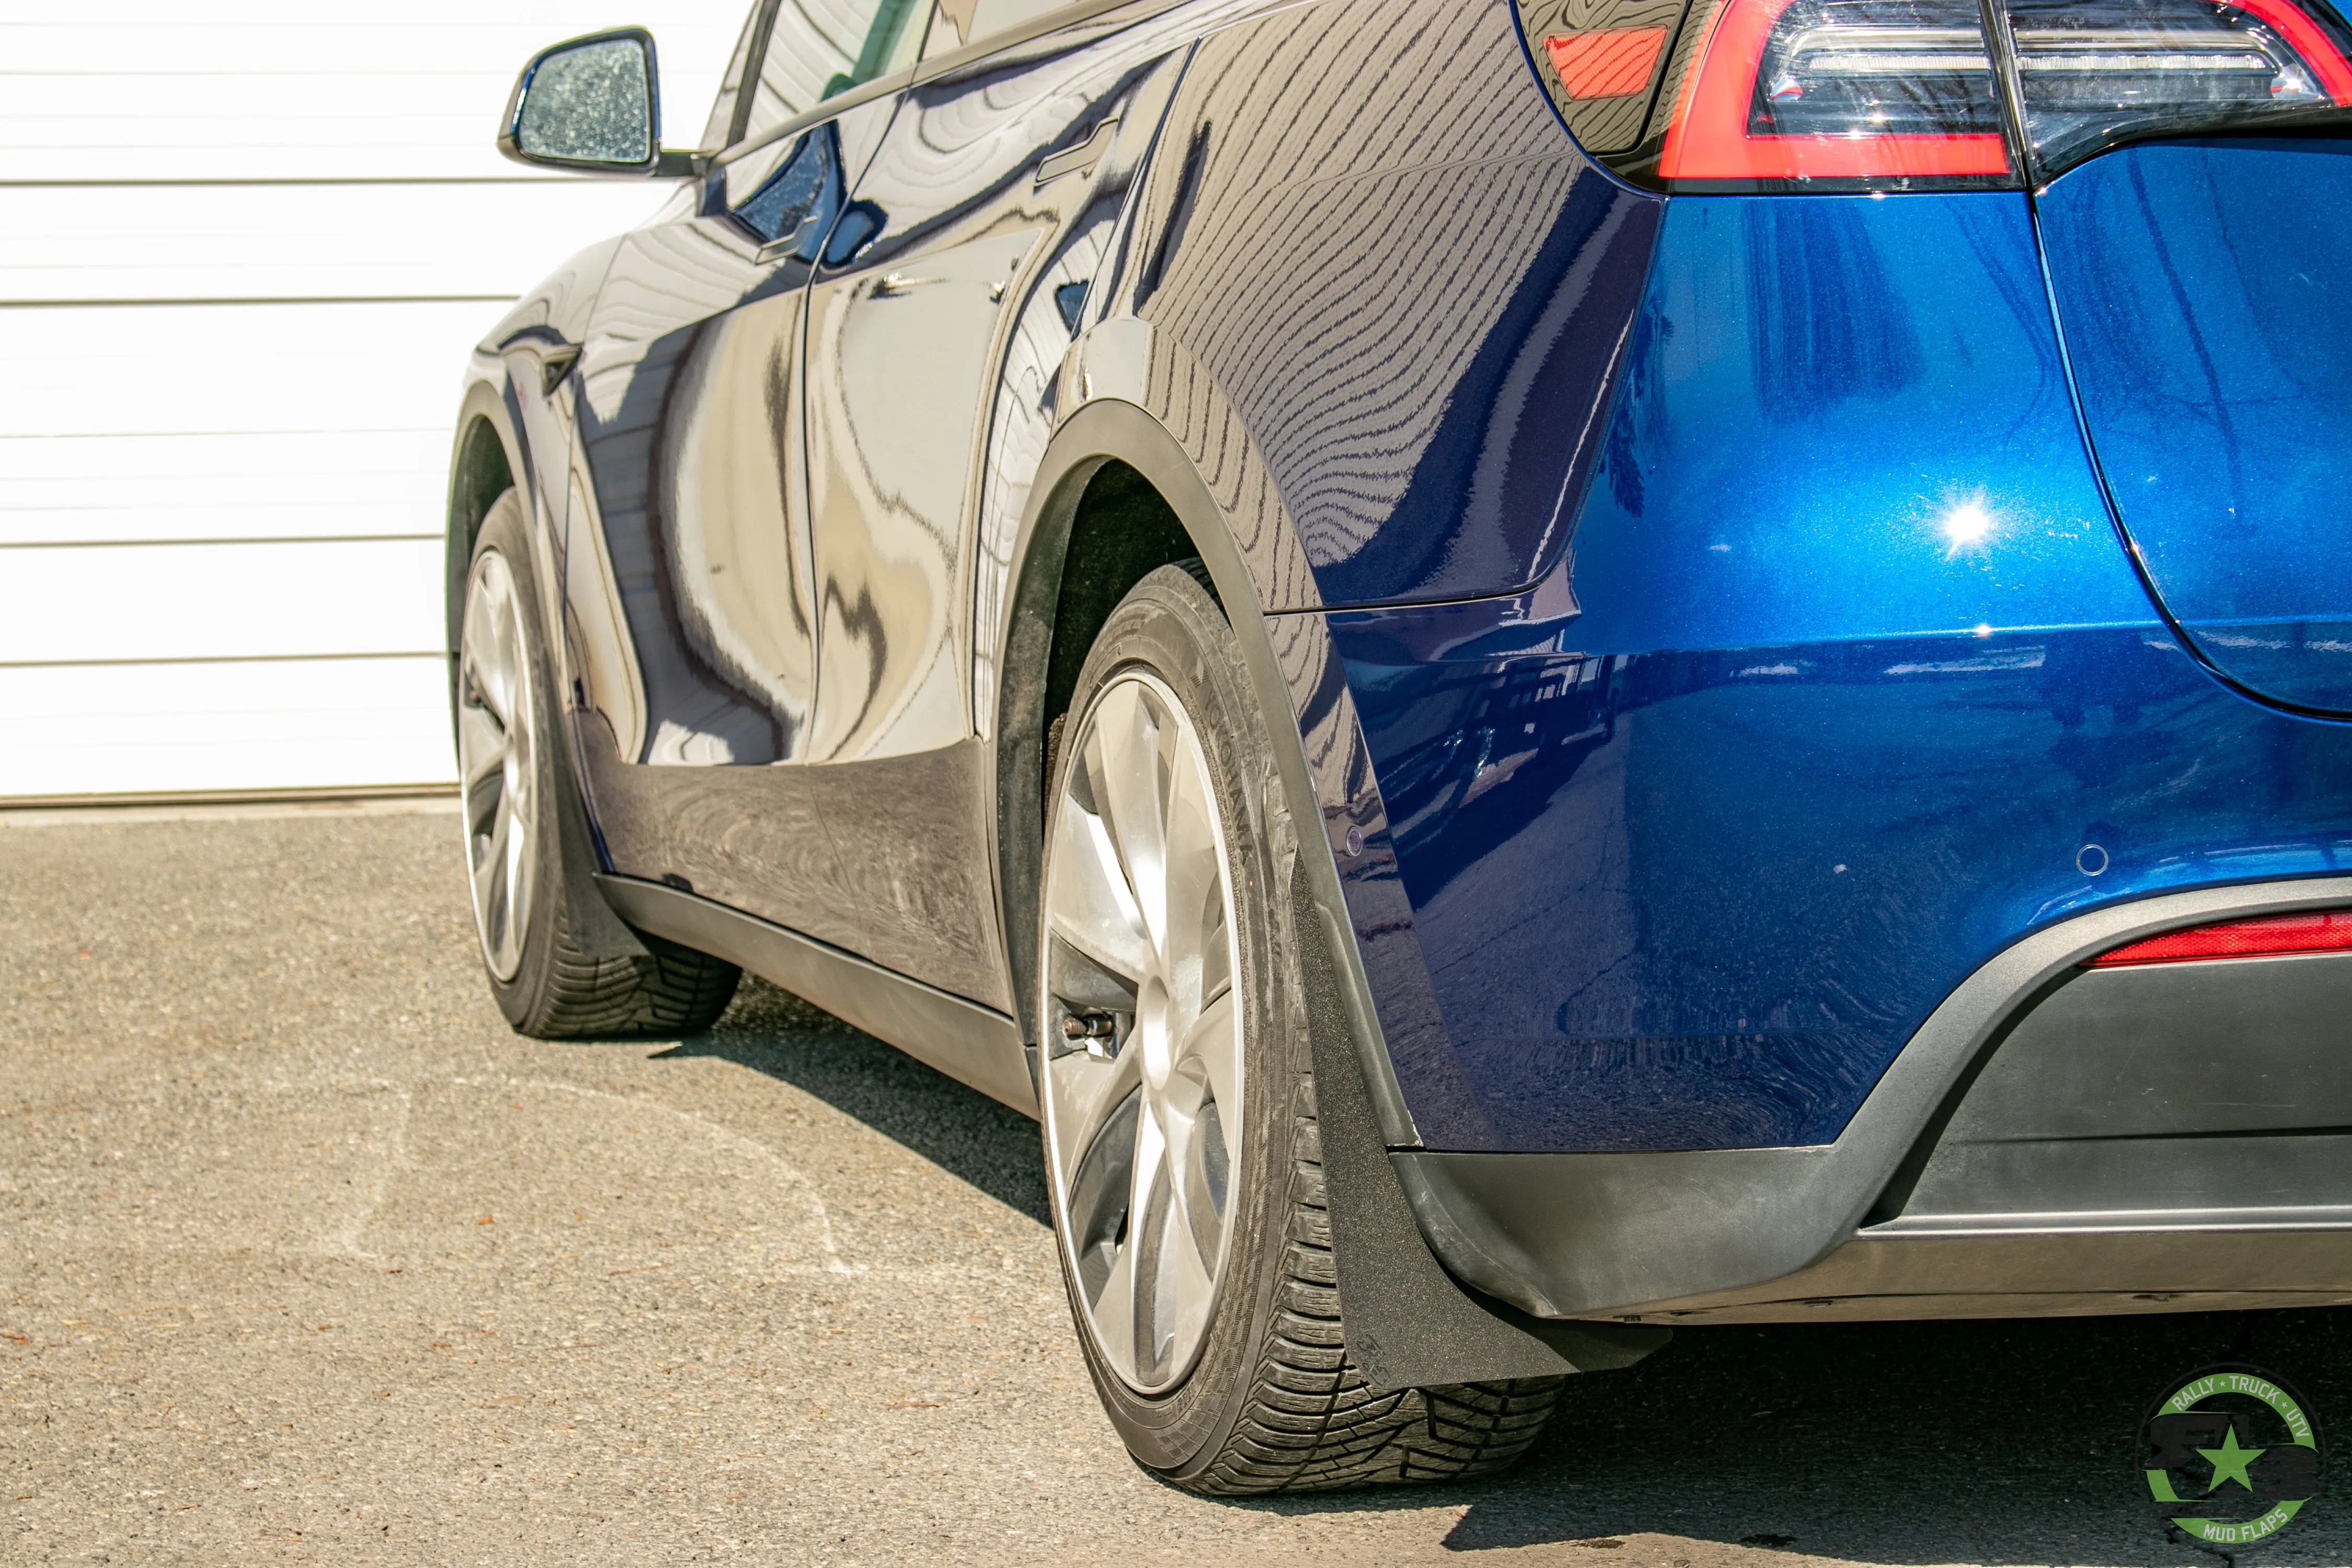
1207	1183
482	744
1096	912
1196	895
1196	1161
495	759
496	885
494	847
1212	1049
1188	1260
1124	767
1114	1308
488	658
1149	1222
1088	1092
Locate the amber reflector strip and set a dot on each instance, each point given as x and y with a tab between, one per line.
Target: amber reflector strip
2324	931
1612	62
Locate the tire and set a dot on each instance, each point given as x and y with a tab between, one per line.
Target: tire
1254	1391
515	777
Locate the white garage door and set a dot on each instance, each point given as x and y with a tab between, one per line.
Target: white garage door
244	248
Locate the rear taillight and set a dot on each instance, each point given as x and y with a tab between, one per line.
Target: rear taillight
1902	94
2090	72
2268	936
1798	89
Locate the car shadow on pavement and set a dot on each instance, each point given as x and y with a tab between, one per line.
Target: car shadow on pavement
961	1129
1990	1442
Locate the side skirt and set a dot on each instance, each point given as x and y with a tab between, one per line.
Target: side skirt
975	1044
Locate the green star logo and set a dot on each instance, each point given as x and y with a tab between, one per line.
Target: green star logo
2231	1456
2229	1461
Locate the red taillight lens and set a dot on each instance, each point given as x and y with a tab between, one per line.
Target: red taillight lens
2271	936
2093	70
1882	95
1801	89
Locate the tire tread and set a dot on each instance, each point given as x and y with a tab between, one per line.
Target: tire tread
672	990
1310	1422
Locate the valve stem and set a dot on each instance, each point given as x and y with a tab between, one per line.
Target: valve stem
1097	1033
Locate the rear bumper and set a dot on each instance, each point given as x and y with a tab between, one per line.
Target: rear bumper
2051	1141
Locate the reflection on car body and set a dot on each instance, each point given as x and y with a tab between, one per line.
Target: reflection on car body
1453	633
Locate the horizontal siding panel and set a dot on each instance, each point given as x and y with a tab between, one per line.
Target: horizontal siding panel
220	553
324	513
220	601
238	369
296	725
241	125
302	242
30	462
102	489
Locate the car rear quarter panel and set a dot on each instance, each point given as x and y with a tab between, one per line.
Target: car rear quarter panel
1385	290
1847	685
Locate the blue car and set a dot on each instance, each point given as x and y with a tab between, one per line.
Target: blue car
1534	671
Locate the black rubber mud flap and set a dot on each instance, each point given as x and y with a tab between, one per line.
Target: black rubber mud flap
595	932
1409	1323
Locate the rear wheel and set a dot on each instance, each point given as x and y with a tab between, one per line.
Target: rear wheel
513	784
1179	1101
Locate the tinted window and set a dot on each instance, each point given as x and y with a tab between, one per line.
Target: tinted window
818	49
797	203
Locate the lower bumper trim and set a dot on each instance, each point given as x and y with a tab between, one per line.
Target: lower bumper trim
1882	1277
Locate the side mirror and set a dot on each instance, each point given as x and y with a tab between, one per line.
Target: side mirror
590	104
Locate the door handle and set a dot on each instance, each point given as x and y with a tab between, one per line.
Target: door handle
1079	159
554	366
556	356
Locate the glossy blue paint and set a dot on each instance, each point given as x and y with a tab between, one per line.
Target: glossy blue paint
1493	490
1853	676
2201	287
1843	417
1409	290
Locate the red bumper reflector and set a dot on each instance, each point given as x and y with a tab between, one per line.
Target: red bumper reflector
2324	931
1610	62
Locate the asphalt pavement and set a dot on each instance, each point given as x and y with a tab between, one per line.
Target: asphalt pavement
305	1258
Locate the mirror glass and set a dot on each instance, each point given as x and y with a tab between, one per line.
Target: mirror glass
593	104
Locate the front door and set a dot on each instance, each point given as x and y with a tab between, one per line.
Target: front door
689	593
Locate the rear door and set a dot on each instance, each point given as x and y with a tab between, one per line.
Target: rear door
2201	280
986	198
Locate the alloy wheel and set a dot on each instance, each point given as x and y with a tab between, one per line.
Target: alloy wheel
496	757
1143	1037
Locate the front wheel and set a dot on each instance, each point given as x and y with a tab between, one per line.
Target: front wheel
1180	1136
514	783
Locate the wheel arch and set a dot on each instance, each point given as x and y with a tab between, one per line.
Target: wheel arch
1113	463
1410	1323
485	460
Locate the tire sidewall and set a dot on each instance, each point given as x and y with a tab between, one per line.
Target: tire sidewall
1169	625
505	532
